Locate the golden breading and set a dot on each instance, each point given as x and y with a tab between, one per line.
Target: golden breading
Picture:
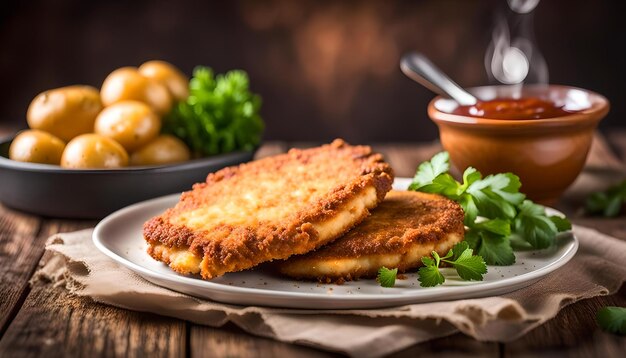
269	209
405	227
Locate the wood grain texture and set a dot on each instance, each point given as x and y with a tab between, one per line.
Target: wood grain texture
617	142
457	345
604	167
405	158
231	341
20	250
270	149
615	227
601	155
5	130
573	333
52	322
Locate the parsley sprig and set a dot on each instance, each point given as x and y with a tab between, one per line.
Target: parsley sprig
495	210
612	319
461	258
387	277
608	203
219	116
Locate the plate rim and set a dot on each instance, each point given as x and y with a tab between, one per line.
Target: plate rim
468	290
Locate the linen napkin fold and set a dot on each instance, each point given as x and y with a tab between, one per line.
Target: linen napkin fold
597	269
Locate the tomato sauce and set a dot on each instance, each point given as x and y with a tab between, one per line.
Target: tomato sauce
514	108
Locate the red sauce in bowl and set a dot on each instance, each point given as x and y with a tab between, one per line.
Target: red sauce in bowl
514	108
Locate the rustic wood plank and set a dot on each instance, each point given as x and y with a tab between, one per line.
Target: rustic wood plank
303	145
54	226
52	322
615	227
6	131
617	141
231	341
270	148
573	333
602	156
602	169
20	250
404	158
13	222
456	345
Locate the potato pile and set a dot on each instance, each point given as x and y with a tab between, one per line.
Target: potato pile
79	127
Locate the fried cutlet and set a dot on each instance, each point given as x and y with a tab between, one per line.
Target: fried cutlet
404	227
269	209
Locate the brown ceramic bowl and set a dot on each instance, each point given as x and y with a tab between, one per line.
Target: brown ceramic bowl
547	154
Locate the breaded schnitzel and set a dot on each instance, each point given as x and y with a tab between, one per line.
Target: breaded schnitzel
404	227
269	209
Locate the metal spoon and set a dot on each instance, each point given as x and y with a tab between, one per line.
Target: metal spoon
419	68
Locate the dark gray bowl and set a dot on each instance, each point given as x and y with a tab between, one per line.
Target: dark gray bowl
50	190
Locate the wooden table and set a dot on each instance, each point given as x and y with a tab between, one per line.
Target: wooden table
39	319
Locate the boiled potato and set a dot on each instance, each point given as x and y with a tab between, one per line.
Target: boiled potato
65	112
130	123
127	83
35	146
89	151
164	149
175	81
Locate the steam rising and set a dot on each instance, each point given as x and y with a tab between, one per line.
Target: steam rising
523	6
512	57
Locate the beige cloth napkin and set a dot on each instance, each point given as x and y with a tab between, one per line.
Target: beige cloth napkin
599	268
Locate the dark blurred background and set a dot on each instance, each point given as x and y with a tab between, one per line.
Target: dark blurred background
325	69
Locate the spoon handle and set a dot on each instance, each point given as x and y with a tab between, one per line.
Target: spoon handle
420	69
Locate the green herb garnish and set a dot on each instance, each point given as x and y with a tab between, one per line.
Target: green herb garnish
387	277
612	319
539	230
220	115
495	210
461	258
608	203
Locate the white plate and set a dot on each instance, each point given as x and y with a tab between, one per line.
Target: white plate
119	236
